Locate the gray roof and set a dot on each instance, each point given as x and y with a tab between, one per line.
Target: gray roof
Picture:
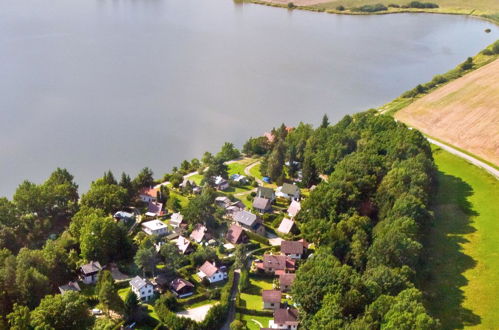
91	268
261	203
265	192
71	286
289	189
244	217
138	282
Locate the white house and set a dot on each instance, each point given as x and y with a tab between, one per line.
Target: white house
176	220
155	227
90	272
142	288
149	195
285	318
221	183
288	191
212	273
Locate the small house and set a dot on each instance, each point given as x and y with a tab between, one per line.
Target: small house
155	227
264	192
176	220
222	201
294	208
236	234
292	249
276	264
212	273
220	183
271	299
239	178
148	194
89	272
199	233
142	288
285	281
125	217
288	191
181	288
249	221
71	286
287	226
262	205
285	318
184	245
154	209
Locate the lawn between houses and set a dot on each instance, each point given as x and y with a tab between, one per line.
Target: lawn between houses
462	251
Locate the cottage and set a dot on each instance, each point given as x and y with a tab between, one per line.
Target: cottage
199	233
142	288
271	299
155	227
249	221
90	272
154	209
222	201
181	288
212	273
125	217
264	192
288	191
71	286
262	205
285	281
294	208
285	318
184	245
220	183
148	194
292	249
236	234
239	178
176	220
287	226
276	264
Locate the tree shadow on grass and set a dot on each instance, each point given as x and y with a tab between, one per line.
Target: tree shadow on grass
444	259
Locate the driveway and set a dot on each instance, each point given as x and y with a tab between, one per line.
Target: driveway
197	314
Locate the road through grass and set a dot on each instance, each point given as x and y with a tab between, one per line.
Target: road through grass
463	246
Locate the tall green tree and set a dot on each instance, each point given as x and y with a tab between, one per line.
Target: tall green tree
19	318
108	197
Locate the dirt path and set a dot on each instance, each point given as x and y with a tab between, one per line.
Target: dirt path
197	314
248	169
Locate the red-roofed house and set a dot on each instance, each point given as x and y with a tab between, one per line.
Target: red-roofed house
199	233
148	194
212	273
292	249
236	234
285	318
276	264
271	299
181	288
285	281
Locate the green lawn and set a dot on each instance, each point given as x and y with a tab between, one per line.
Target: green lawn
239	166
249	320
197	178
463	249
251	298
255	172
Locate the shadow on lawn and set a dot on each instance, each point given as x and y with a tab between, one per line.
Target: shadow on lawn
445	260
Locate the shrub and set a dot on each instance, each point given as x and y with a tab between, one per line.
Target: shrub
340	8
495	47
422	5
466	65
371	8
394	5
291	5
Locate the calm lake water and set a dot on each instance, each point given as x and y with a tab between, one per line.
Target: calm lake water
122	84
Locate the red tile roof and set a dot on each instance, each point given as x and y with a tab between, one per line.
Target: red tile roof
208	269
286	279
291	247
287	316
234	233
271	296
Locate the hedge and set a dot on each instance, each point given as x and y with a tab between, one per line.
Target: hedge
258	238
246	311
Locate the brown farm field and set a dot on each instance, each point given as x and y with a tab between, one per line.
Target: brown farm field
463	113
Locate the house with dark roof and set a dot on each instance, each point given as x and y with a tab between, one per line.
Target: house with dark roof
264	192
89	272
142	288
271	299
71	286
288	191
276	264
181	288
249	221
292	249
285	281
212	273
222	201
285	318
287	226
262	205
236	234
154	209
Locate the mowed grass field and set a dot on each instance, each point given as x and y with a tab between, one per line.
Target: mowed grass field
463	113
463	246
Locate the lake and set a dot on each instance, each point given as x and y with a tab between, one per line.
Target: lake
122	84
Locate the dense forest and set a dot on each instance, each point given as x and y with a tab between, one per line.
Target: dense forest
367	214
370	180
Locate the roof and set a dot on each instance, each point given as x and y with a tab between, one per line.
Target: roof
208	269
289	189
222	200
156	208
179	283
198	233
261	203
286	279
304	242
176	219
292	247
71	286
91	267
244	217
138	282
271	296
220	180
154	224
277	262
287	316
294	208
152	192
183	244
265	192
234	233
286	226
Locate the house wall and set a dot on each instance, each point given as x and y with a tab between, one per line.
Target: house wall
294	256
269	305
